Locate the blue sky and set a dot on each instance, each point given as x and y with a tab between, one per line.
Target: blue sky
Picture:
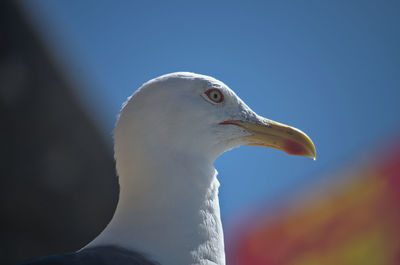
329	68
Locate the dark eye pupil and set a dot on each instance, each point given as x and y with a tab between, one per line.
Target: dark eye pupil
215	95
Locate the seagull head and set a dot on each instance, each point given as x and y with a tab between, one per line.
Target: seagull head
168	135
192	114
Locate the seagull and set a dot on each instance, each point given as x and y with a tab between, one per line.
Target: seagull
168	135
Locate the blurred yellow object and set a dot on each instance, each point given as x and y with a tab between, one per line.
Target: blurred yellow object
355	223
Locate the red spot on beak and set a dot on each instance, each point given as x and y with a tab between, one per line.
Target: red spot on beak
293	148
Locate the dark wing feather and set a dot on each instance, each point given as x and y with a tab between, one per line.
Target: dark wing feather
99	255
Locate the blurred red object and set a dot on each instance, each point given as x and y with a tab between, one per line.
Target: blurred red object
357	222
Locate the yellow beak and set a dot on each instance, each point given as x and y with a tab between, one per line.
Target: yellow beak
277	135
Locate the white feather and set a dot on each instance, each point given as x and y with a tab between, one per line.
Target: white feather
166	141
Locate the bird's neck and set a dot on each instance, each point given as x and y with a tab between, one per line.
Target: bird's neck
168	209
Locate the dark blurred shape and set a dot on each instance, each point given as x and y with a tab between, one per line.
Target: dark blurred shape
59	188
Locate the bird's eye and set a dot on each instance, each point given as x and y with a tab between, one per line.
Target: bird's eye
215	95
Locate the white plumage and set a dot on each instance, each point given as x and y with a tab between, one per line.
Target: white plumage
168	135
